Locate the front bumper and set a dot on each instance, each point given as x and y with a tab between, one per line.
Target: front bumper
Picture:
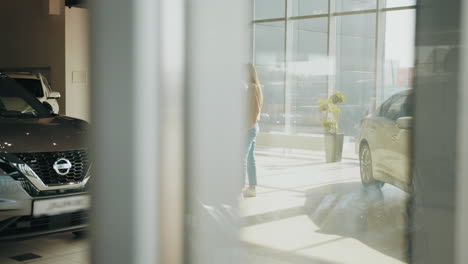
16	219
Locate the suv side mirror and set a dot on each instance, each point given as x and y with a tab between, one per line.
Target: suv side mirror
405	122
48	107
54	95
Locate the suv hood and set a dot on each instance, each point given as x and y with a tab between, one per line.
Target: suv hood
57	133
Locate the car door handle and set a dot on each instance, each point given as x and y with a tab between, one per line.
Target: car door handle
394	137
372	128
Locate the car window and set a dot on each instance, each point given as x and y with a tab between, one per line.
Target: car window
46	83
33	86
16	102
407	107
384	107
396	108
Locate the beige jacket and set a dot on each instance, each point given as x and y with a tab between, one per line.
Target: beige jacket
255	104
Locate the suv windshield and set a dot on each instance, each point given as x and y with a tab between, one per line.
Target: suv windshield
16	102
34	86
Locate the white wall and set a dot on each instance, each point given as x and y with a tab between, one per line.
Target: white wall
77	63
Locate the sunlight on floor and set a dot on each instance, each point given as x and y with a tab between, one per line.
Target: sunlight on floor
307	211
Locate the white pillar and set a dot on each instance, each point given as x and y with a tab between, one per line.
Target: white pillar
217	39
125	85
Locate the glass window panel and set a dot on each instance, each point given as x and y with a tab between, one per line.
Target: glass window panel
398	52
354	5
269	43
310	38
307	74
309	7
265	9
399	3
272	119
269	60
355	67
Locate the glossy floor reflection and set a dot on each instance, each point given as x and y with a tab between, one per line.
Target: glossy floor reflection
308	211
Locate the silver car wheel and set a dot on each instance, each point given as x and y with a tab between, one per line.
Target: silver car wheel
367	172
366	165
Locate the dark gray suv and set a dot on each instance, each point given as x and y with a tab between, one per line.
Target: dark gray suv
44	167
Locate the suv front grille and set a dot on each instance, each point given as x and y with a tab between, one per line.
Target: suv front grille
42	163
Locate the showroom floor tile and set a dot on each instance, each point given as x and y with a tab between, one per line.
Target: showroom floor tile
53	249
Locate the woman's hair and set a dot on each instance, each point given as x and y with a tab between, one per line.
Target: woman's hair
254	96
253	76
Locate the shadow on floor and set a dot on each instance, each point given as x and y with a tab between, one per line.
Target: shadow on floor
377	218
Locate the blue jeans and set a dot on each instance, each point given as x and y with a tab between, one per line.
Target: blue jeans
249	158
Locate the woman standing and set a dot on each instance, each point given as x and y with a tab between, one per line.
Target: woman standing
254	104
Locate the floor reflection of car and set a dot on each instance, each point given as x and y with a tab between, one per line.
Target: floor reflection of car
44	167
384	143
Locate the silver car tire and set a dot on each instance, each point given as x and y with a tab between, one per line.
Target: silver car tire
366	168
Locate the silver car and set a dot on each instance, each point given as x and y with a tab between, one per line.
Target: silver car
384	143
